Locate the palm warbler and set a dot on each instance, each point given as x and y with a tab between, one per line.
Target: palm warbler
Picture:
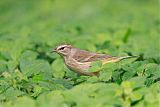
80	61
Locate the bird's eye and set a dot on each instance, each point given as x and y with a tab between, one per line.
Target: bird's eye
61	48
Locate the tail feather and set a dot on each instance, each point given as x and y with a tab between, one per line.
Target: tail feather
126	57
117	59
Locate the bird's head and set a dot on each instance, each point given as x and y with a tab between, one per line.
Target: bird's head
63	50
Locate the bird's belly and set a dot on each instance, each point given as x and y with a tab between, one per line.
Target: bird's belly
78	67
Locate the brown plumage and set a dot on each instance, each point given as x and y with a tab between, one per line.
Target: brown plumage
80	60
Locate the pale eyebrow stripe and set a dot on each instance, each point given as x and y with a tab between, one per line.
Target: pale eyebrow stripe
61	46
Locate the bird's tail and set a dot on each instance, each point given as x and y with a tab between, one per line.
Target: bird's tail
117	59
126	57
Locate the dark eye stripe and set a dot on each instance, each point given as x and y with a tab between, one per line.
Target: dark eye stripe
61	48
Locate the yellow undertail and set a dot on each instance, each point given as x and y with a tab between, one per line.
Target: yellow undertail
116	59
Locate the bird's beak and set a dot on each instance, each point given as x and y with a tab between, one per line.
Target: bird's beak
54	50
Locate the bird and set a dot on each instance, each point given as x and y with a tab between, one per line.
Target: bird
80	61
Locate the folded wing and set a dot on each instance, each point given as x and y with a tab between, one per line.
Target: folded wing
86	56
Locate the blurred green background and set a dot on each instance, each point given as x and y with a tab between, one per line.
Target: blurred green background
29	29
130	25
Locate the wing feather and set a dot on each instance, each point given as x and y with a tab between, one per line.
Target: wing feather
86	56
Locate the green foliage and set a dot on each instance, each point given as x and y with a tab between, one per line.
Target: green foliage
95	66
32	76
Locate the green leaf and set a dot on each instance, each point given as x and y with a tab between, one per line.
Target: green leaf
95	66
116	75
107	71
23	102
5	56
11	93
66	83
37	78
126	36
3	66
35	67
105	75
135	96
152	68
58	67
55	98
37	90
93	79
28	55
129	74
12	65
137	81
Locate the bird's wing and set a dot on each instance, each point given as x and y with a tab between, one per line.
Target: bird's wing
86	56
96	57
